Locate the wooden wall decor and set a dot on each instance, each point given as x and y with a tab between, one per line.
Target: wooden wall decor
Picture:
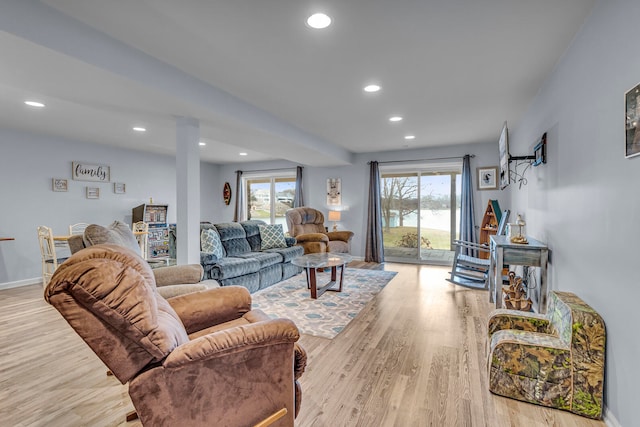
226	193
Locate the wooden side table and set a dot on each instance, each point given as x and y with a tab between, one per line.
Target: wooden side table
533	254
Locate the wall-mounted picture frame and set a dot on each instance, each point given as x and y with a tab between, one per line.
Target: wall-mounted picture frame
93	193
119	187
487	178
632	122
334	191
59	184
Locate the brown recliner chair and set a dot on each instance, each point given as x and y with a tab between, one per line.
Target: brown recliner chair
307	226
198	359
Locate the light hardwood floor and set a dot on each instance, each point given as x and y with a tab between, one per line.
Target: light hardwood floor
415	356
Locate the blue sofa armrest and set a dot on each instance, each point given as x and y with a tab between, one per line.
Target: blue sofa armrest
291	241
208	258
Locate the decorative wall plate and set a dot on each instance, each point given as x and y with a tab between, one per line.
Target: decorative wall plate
226	193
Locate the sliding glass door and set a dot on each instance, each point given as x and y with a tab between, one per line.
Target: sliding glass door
420	213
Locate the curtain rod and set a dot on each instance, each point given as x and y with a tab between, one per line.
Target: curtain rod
425	160
270	170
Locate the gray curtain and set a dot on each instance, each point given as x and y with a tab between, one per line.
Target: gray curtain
467	222
298	199
374	250
237	213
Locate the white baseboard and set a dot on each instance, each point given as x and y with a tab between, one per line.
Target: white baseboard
18	283
609	419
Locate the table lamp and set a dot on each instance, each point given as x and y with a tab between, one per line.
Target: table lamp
520	237
335	217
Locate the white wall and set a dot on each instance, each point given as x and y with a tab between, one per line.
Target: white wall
355	183
28	163
585	202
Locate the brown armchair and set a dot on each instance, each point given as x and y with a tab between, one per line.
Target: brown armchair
170	281
307	226
195	360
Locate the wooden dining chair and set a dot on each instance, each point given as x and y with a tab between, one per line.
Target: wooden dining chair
141	231
50	260
77	228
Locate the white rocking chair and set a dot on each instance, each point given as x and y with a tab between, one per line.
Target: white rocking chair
470	271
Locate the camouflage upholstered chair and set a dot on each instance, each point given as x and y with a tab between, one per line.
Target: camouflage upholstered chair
554	360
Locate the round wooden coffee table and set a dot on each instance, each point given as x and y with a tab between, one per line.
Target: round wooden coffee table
312	262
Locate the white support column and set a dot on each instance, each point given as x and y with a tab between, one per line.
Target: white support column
188	190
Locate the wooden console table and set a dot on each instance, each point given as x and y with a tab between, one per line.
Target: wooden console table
533	254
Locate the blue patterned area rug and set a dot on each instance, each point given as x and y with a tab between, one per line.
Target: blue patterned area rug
331	312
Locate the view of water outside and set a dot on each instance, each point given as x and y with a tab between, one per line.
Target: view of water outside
262	190
401	208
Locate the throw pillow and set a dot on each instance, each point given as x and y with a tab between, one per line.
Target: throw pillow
272	236
210	242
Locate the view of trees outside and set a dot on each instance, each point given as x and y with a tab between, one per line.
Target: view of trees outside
407	196
263	191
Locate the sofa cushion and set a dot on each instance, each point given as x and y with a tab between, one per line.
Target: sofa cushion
288	253
250	281
290	270
178	274
272	236
233	267
234	238
270	276
264	258
207	258
117	233
210	242
251	227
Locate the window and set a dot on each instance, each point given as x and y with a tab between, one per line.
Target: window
269	197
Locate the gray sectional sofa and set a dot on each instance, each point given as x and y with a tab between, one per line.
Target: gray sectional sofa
244	263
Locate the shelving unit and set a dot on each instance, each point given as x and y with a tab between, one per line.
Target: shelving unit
158	237
489	226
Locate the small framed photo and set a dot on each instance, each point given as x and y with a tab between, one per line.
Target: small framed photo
487	178
59	184
93	193
119	187
632	125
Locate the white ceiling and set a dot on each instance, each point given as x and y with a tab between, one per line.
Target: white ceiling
260	81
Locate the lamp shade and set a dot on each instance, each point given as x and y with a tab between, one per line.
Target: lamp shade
334	215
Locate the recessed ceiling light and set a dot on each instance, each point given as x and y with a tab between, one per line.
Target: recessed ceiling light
243	153
34	104
202	144
410	137
319	21
395	118
372	88
139	129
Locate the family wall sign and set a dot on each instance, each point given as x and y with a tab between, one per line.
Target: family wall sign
89	172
